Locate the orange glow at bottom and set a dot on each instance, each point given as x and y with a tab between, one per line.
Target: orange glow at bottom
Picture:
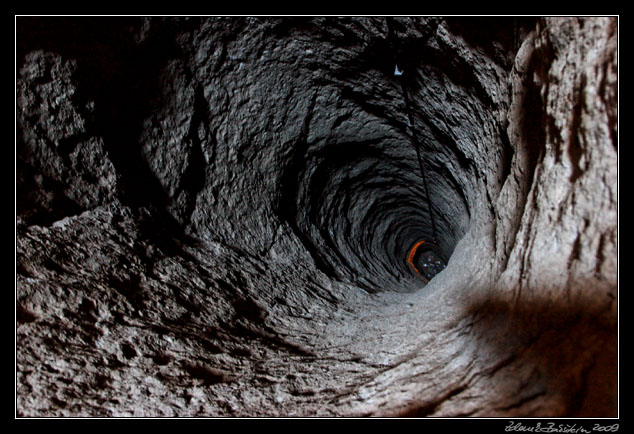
412	253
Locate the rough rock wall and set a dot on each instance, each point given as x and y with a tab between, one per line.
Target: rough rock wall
214	215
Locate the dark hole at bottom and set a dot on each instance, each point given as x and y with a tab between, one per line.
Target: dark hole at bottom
426	259
429	263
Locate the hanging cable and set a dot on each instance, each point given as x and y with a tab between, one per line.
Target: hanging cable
398	72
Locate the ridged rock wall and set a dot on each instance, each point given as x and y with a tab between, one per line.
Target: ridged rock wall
214	217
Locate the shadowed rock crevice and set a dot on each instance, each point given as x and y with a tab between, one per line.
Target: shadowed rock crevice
219	216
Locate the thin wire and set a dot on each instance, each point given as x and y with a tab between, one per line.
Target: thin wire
415	141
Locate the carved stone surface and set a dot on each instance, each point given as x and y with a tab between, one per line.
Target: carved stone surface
214	217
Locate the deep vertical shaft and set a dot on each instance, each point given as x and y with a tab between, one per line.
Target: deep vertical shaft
415	140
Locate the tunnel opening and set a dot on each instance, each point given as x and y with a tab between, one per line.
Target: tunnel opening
359	206
359	203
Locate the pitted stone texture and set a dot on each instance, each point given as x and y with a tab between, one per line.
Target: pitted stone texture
238	245
63	167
